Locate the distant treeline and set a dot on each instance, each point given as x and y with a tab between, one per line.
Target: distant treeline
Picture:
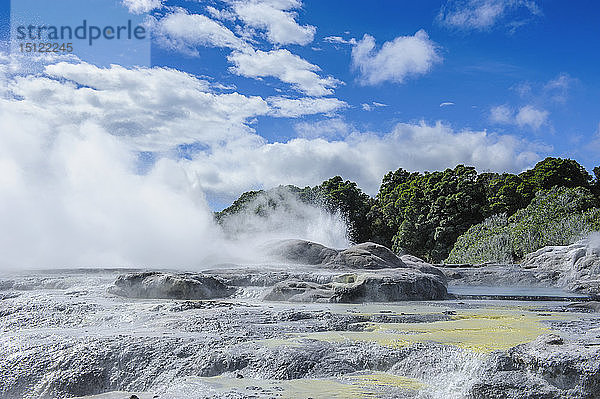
424	214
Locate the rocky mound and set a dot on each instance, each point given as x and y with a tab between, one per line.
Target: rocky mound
547	368
400	285
301	251
396	285
366	272
155	285
362	273
368	255
576	266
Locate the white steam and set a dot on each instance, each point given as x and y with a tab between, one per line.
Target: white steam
71	194
71	197
593	243
279	213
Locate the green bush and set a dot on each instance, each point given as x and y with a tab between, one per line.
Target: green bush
559	216
486	241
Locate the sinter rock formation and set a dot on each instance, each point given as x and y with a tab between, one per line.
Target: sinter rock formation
390	286
547	368
158	285
576	266
366	272
373	274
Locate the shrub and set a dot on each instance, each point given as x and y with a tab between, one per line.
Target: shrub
559	216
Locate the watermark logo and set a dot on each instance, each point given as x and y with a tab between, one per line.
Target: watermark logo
90	33
102	32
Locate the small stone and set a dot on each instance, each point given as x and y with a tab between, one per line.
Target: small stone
554	339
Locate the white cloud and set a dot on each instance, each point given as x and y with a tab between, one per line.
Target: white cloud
339	40
285	66
142	6
225	15
295	107
557	89
595	143
332	128
484	14
372	106
156	109
502	114
185	32
524	89
553	91
446	104
398	59
561	82
532	117
152	109
277	19
361	157
527	115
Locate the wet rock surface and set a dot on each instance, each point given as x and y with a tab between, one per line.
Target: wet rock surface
362	256
501	275
299	330
366	256
363	273
572	268
549	368
399	285
159	285
592	306
55	345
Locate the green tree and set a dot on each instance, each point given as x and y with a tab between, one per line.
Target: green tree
506	193
261	202
333	195
597	181
557	172
388	212
381	232
239	205
435	209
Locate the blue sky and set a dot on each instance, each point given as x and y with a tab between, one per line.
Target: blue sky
549	62
247	94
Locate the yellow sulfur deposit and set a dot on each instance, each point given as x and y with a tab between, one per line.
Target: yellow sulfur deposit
483	330
384	380
352	386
